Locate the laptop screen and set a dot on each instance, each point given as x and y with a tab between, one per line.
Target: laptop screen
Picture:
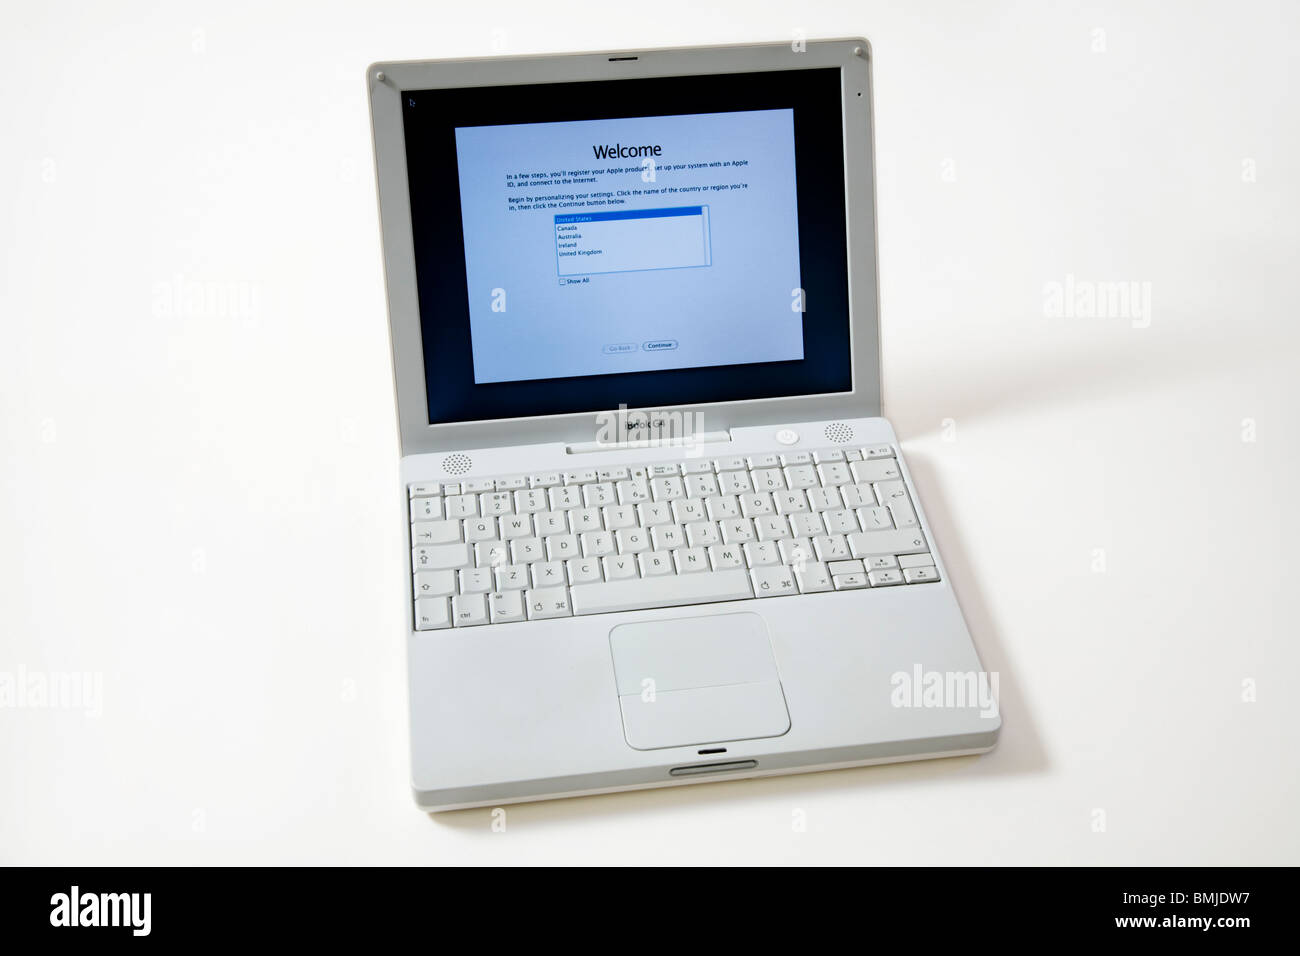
647	243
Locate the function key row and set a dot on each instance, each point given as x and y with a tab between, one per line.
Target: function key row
644	473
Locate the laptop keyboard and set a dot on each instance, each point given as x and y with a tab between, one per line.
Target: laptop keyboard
621	538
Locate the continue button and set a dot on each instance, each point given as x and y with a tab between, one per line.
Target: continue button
659	345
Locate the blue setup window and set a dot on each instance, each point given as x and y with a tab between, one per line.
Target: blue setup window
632	240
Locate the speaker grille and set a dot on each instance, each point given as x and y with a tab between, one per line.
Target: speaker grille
456	464
839	432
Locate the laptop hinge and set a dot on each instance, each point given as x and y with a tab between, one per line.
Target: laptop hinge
684	441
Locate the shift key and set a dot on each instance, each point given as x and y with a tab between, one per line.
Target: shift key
865	544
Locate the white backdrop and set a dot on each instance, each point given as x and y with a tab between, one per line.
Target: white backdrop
198	447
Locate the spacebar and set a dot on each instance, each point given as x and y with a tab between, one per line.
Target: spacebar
669	590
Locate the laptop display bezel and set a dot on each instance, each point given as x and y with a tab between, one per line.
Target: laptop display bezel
387	81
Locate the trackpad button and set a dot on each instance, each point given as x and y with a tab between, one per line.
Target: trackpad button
697	680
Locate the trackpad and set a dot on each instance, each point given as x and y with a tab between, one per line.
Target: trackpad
697	680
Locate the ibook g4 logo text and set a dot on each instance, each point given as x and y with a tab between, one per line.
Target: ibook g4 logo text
102	909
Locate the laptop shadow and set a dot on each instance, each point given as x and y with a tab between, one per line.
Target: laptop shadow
1091	374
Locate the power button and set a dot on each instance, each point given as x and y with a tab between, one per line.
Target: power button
787	436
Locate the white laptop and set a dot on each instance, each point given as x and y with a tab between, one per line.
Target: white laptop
658	530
